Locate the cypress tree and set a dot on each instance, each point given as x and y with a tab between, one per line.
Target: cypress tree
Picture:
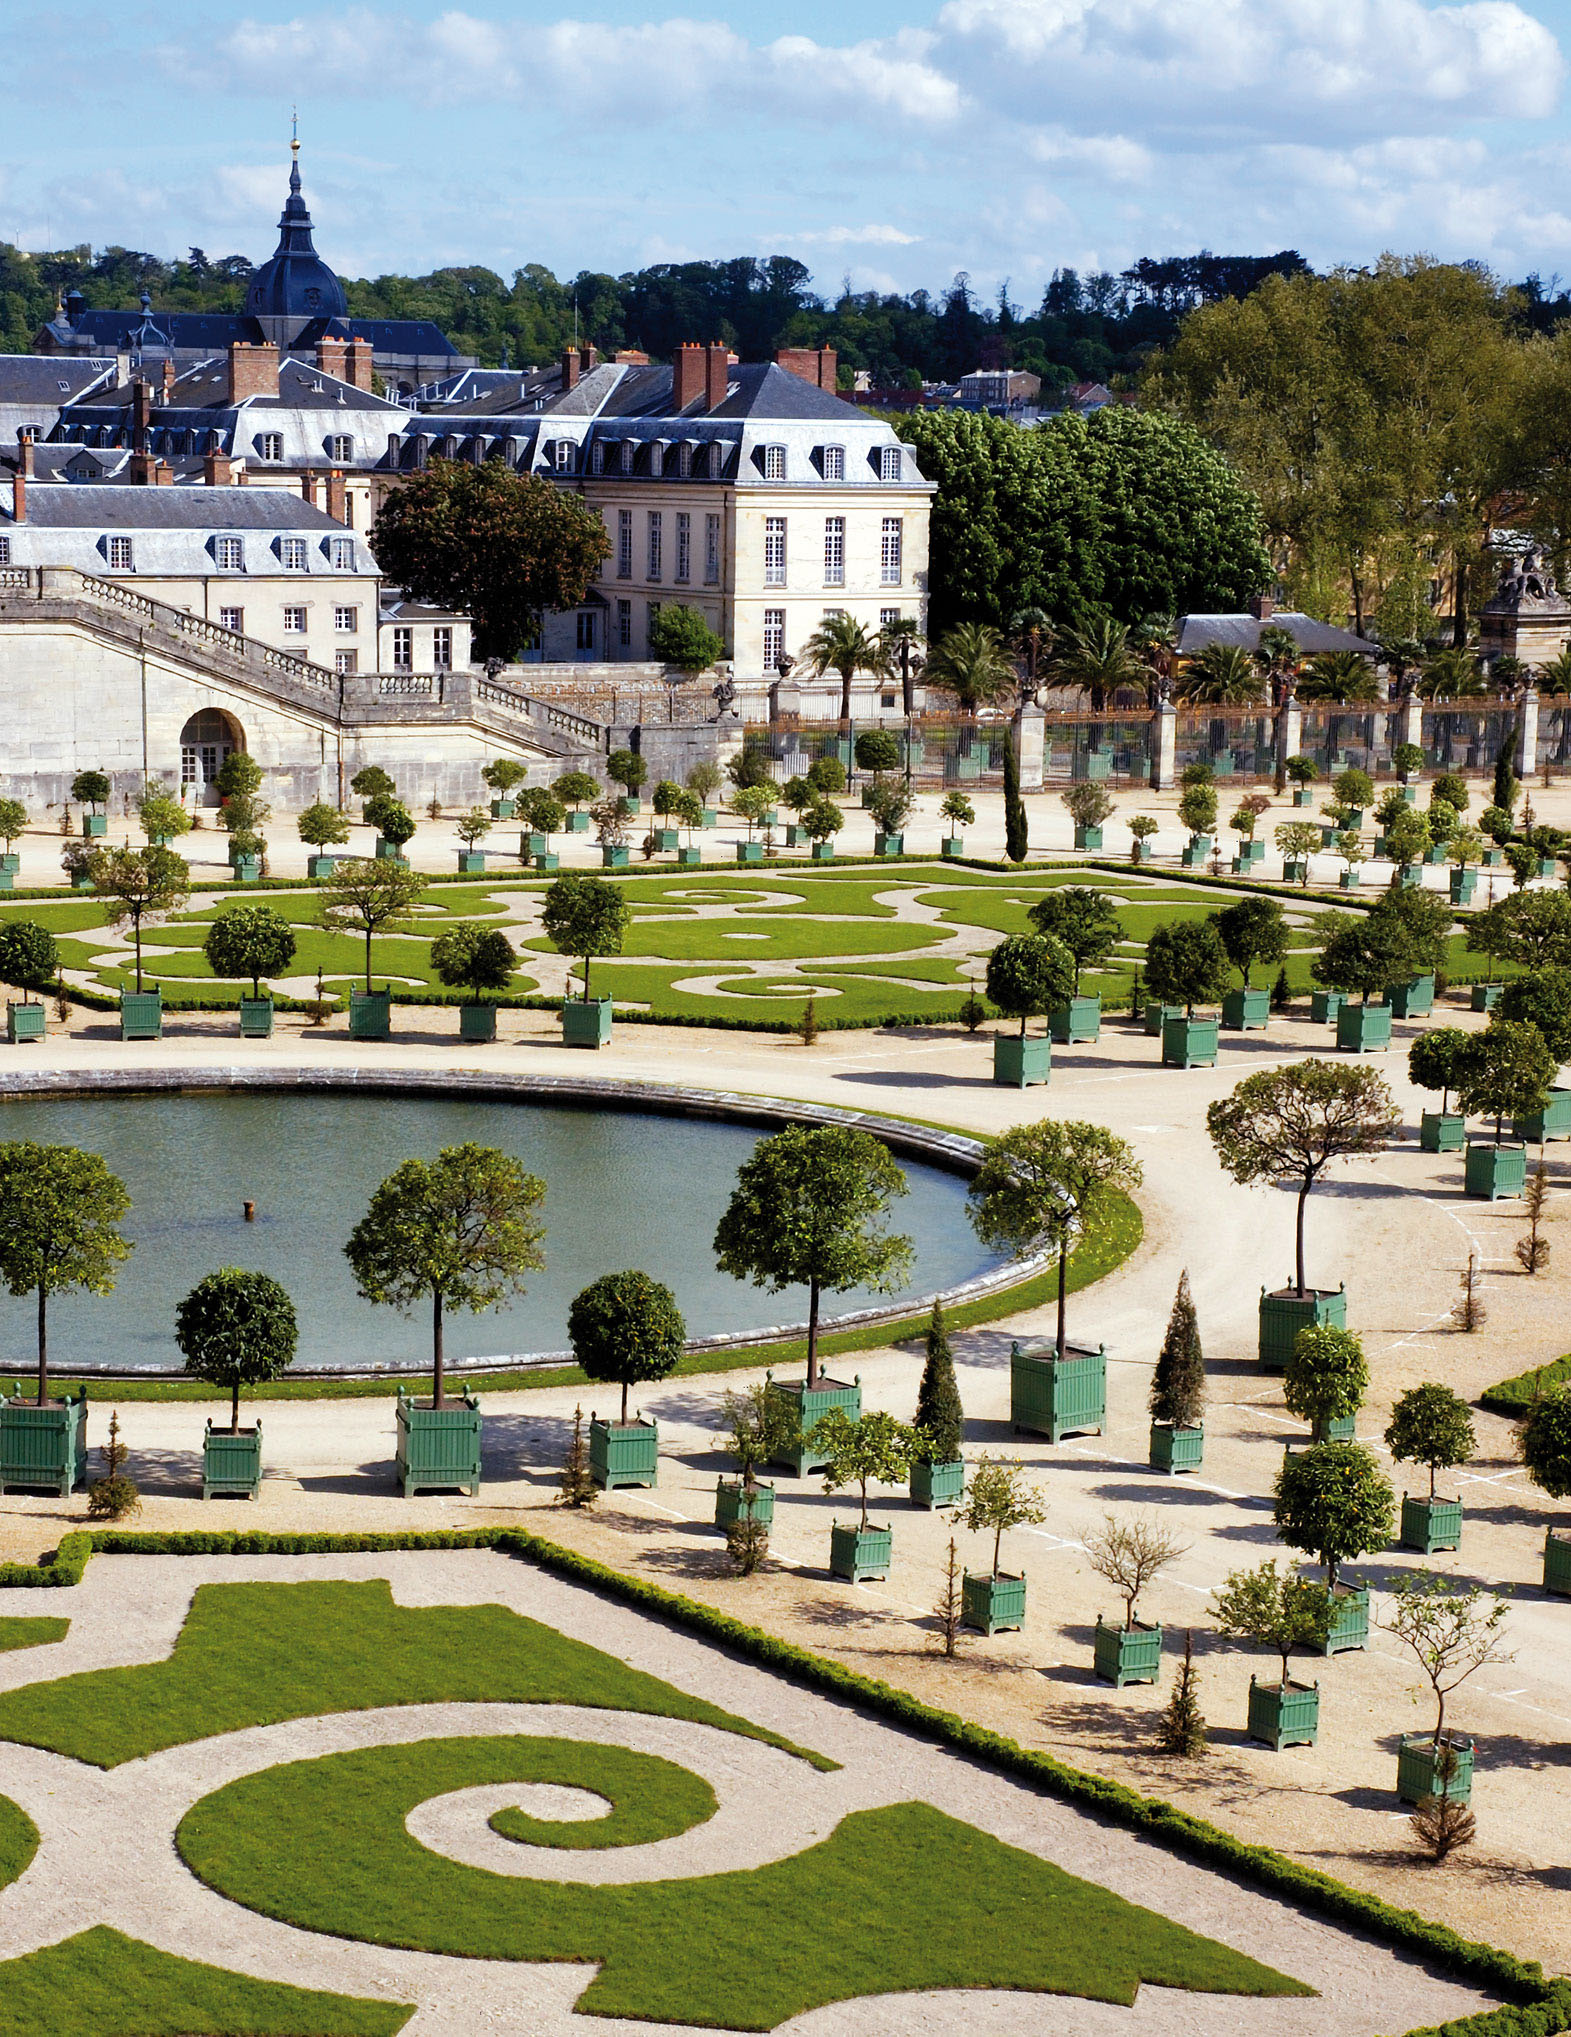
1505	788
938	1411
1183	1728
1178	1385
1015	831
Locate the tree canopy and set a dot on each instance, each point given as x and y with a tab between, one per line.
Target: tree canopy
1186	963
59	1214
236	1329
1084	919
1333	1502
250	940
626	1328
1029	975
586	917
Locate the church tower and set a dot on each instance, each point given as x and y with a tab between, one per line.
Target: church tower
295	289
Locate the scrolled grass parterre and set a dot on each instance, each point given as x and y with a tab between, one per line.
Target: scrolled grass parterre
650	1798
18	1842
18	1631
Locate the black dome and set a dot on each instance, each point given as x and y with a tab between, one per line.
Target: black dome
296	283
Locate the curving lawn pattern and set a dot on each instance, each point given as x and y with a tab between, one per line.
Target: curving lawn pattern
18	1630
650	1798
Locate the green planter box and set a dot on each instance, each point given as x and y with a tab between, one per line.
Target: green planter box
532	845
709	817
1284	1715
1088	838
94	825
43	1448
81	881
1189	1043
1286	1312
1494	859
750	852
1429	1525
1295	872
1355	819
857	1553
733	1503
1077	1021
689	858
1303	796
578	823
471	862
320	868
231	1464
7	880
1363	1028
1127	1654
256	1018
246	869
889	845
1176	1449
952	848
1434	856
1409	792
1192	858
612	857
370	1014
586	1022
938	1485
624	1453
667	840
477	1023
1547	866
1350	880
1382	844
1057	1397
1349	1619
1421	1768
990	1604
26	1022
1413	999
1494	1172
1442	1131
389	852
1145	851
1252	852
141	1015
438	1448
504	809
1552	1122
1464	883
1157	1016
1411	876
1328	835
1325	1004
1557	1562
11	864
1246	1011
1334	1429
811	1404
797	837
823	852
547	862
1484	996
1018	1062
1095	765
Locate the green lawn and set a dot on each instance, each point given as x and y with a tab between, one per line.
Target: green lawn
17	1630
650	1798
102	1984
752	938
251	1654
18	1842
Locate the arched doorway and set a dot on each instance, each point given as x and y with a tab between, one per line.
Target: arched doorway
205	741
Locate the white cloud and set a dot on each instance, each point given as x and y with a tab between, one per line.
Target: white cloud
853	236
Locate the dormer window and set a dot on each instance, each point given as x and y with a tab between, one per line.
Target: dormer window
230	555
716	459
889	463
270	445
774	463
629	454
292	554
597	457
562	456
117	552
342	553
684	460
657	459
341	447
834	463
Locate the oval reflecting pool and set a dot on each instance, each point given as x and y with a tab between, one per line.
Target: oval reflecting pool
622	1189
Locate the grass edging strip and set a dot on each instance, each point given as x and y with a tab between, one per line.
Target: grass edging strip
1541	2008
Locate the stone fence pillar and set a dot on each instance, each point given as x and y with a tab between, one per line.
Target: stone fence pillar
1526	756
1164	747
1028	734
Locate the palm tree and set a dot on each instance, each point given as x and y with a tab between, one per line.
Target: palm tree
1031	637
1224	675
1098	660
1276	652
1452	674
841	644
1555	676
972	663
1342	676
898	641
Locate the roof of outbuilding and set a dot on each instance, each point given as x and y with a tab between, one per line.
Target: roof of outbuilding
1311	635
109	505
49	378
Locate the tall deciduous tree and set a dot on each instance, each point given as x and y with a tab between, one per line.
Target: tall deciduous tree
59	1212
586	917
1253	930
369	896
140	885
236	1329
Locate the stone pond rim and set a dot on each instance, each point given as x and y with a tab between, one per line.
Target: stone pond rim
954	1151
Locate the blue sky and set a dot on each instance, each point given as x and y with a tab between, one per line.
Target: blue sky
893	144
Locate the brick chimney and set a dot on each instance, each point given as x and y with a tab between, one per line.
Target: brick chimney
1261	607
335	495
141	413
217	470
253	371
332	358
148	471
163	474
169	377
818	365
631	357
308	488
361	364
19	491
589	359
26	456
569	369
717	374
687	375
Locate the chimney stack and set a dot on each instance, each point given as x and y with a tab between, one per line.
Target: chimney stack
332	358
687	375
169	377
717	374
335	495
569	369
818	365
148	471
216	469
141	413
19	494
1261	607
589	359
360	363
631	357
253	371
26	458
308	488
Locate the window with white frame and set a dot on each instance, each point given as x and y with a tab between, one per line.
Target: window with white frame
403	648
684	545
343	555
629	455
834	463
657	459
586	629
232	618
346	621
716	459
442	647
269	445
684	459
624	625
119	555
774	463
346	661
341	447
656	544
834	551
891	551
774	551
889	463
888	617
774	637
230	555
624	544
562	456
292	554
597	457
5	551
294	622
712	551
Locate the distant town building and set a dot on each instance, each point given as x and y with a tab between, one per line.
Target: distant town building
999	389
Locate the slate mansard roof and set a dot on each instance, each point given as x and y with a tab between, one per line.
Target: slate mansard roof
174	532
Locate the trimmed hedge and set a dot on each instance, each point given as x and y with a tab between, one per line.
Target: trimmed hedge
1515	1396
62	1566
1540	2008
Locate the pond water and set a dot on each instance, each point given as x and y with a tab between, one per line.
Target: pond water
622	1189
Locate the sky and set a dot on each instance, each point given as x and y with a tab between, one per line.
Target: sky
894	145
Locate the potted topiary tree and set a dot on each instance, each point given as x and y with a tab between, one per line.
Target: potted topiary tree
29	959
1043	1188
140	885
235	1329
998	1498
1178	1389
1333	1502
821	822
1252	930
1433	1062
1430	1425
688	812
1086	921
394	825
504	775
1354	790
1546	1451
1302	773
462	1232
1028	976
1361	955
13	819
876	751
1130	1555
667	803
254	941
860	1450
471	829
890	806
796	795
1499	825
575	789
163	818
543	815
938	1471
1466	846
1407	843
960	813
1197	811
625	1329
627	769
476	959
587	918
1326	1379
1393	805
1444	821
372	782
366	897
705	780
755	803
320	827
91	789
1350	848
1186	965
1246	818
59	1212
1279	1613
761	1427
1408	761
1287	1125
1504	1072
1453	1633
1298	840
1089	805
1142	830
